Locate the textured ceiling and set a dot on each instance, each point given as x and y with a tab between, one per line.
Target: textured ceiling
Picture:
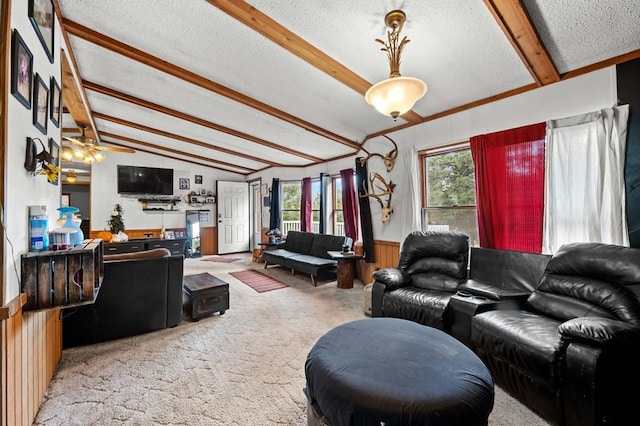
282	110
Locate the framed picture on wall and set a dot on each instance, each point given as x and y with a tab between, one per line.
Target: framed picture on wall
56	99
41	15
198	179
21	70
54	150
184	183
40	104
65	199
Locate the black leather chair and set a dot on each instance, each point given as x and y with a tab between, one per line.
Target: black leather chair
431	267
140	292
572	353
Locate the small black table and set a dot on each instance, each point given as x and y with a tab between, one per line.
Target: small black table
203	294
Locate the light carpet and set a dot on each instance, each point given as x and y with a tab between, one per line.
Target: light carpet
221	259
245	367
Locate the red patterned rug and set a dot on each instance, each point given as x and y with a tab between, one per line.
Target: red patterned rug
221	259
258	281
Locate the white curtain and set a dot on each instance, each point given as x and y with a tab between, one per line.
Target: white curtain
584	182
410	213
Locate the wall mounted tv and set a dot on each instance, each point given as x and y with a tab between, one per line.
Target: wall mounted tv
145	180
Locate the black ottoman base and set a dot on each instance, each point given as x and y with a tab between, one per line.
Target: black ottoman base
395	372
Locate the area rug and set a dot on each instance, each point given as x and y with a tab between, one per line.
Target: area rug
221	259
258	281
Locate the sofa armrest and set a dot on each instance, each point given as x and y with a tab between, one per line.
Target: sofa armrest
392	278
492	291
600	332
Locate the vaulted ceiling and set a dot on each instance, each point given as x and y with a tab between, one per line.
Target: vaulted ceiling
243	86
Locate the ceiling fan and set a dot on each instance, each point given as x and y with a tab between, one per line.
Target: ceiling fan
88	149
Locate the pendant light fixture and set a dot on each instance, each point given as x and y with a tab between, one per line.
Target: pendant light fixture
395	95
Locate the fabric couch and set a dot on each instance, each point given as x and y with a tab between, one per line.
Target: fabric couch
306	252
571	352
140	292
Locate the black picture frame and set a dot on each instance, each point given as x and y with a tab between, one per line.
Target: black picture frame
54	150
198	179
55	97
21	70
42	17
40	104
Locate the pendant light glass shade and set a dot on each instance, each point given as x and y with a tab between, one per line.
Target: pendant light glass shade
395	96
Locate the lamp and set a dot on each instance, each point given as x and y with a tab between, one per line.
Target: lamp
71	176
395	95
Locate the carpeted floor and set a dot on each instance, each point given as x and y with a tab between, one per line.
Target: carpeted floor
221	259
245	367
258	281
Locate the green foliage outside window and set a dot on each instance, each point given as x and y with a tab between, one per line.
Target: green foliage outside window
451	196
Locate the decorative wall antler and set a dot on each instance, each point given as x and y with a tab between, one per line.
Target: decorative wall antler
386	189
389	158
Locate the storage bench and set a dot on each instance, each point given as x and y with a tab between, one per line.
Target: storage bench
203	294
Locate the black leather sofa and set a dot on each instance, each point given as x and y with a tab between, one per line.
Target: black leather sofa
140	292
306	252
571	352
431	267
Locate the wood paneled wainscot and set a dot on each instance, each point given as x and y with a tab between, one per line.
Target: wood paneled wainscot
386	255
33	342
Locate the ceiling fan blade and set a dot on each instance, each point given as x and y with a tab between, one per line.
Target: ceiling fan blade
114	149
74	141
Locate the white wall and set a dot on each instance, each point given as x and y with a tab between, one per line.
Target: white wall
575	96
22	189
104	191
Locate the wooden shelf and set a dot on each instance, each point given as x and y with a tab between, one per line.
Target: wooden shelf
63	278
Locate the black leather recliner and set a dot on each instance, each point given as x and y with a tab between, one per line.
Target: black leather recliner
430	268
573	353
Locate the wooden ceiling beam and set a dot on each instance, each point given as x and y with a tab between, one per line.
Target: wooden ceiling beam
512	17
192	119
283	37
174	151
193	78
180	138
73	96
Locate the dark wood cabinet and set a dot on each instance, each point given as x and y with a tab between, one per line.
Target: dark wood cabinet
176	247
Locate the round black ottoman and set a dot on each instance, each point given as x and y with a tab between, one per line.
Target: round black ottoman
395	372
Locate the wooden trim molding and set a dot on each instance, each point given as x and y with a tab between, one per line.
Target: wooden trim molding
13	307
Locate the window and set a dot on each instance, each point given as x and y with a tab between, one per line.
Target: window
290	194
337	217
450	198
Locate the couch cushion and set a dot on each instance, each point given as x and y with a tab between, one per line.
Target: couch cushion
435	281
438	265
427	307
308	264
322	243
299	242
529	342
277	256
448	245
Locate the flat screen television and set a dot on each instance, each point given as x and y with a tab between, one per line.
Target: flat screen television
145	180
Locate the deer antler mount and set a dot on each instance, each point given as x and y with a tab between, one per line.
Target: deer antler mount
389	158
380	188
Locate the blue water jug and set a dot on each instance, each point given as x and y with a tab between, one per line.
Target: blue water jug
77	237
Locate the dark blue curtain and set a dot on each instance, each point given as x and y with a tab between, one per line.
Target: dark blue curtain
274	219
324	185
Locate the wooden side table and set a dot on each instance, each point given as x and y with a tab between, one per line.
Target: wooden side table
346	267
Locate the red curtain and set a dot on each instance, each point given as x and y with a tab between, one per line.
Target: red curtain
305	205
509	173
349	204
